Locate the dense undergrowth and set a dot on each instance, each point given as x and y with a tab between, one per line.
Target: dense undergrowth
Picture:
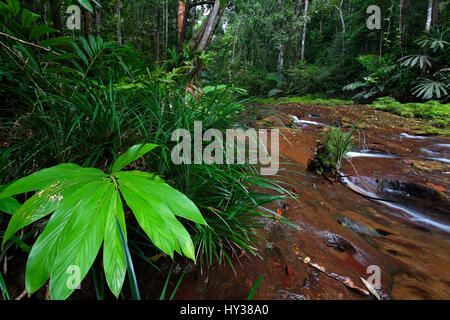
86	101
307	100
436	114
430	110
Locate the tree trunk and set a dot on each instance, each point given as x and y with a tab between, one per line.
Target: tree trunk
341	15
280	61
98	19
119	22
429	15
183	11
166	27
57	24
435	15
305	16
216	24
206	31
141	23
297	41
400	23
158	27
88	25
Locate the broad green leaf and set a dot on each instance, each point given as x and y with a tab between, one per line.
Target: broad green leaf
93	43
132	154
178	203
42	179
57	41
28	17
39	31
85	4
30	54
148	217
80	53
14	7
35	208
42	203
53	57
114	262
81	241
151	206
43	254
9	204
87	48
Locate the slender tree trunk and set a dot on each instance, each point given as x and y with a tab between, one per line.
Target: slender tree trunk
280	61
305	17
46	9
141	23
194	21
429	15
183	11
206	31
297	41
57	23
234	47
321	23
98	19
158	27
400	23
216	25
88	25
166	27
427	28
435	13
210	25
119	22
341	15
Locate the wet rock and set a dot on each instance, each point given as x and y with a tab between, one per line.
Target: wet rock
286	295
430	166
411	188
358	227
311	280
383	232
337	242
185	266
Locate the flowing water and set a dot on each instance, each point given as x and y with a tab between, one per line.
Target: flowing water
392	210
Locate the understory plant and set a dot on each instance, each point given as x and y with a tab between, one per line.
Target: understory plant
431	64
87	210
332	150
88	99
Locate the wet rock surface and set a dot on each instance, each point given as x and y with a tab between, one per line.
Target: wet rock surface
346	228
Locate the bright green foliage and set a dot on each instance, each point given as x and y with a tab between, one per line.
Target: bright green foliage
85	204
308	100
428	110
437	85
332	150
8	204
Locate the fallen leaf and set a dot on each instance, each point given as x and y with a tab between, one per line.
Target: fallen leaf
370	288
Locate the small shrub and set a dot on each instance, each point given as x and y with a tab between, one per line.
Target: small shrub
332	150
